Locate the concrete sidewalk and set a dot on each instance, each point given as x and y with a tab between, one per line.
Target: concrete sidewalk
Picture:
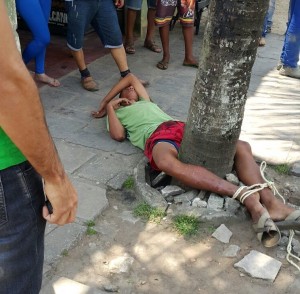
95	162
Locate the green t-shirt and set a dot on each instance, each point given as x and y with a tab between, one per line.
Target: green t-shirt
140	120
9	153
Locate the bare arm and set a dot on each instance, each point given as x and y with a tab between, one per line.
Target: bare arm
116	129
129	80
22	118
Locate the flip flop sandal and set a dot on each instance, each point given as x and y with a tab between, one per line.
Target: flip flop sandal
153	47
195	65
129	48
266	231
162	65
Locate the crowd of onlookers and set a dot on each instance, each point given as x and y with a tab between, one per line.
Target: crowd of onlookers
288	63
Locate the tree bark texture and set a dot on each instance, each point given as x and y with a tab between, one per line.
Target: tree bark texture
217	105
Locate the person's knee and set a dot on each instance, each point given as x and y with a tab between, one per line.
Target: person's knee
243	147
164	164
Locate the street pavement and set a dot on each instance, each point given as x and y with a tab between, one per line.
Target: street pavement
95	162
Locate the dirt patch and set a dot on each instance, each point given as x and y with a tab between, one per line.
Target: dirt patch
161	261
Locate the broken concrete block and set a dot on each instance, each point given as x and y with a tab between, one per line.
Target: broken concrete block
222	233
295	170
171	190
197	202
231	205
202	194
259	265
186	197
232	179
231	251
215	202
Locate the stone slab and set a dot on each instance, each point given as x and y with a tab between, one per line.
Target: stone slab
259	265
64	285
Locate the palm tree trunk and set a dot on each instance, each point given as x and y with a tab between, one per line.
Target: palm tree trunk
217	106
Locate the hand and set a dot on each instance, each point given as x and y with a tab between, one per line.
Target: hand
119	3
101	112
98	114
63	199
117	103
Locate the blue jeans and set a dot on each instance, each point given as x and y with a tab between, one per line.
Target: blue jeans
291	46
36	15
22	230
101	15
268	18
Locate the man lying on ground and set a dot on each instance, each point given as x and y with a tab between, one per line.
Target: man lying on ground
135	117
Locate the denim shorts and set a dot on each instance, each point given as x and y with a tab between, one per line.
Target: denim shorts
137	4
22	230
101	15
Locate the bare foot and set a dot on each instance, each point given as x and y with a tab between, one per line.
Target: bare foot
47	80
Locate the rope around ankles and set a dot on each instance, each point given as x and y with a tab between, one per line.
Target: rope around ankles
258	187
271	185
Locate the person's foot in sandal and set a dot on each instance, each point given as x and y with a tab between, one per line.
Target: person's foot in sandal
43	78
129	47
89	84
149	44
266	230
164	63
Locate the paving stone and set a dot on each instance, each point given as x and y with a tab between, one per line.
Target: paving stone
232	179
197	202
186	197
259	265
171	190
143	190
68	152
117	181
295	170
202	194
64	285
231	251
222	233
231	205
215	202
91	200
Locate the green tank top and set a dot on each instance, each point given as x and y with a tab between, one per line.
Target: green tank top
9	153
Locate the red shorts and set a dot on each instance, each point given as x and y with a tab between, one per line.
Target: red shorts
169	131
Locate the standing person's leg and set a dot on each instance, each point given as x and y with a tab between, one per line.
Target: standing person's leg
187	15
291	47
163	17
149	39
40	57
270	15
132	7
80	14
22	230
33	14
107	27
